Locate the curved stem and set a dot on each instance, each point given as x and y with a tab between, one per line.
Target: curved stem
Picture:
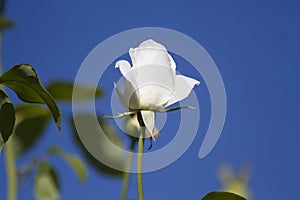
118	116
11	170
127	173
140	167
176	108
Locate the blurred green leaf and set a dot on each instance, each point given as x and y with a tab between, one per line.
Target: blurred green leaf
235	182
7	118
74	161
63	91
24	80
5	22
77	166
55	150
46	185
103	147
222	196
31	121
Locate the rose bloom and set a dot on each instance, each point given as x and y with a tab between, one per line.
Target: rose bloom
151	82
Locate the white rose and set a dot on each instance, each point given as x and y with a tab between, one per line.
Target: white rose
151	81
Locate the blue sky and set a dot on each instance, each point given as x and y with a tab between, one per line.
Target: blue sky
255	45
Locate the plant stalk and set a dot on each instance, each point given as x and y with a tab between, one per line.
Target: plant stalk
11	170
9	147
126	174
140	167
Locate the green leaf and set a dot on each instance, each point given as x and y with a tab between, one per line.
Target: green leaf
103	146
77	166
55	150
7	118
63	91
46	185
222	196
31	121
235	182
24	80
74	161
5	22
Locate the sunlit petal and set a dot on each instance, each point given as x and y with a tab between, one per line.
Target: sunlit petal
172	63
183	87
155	85
124	67
149	52
130	96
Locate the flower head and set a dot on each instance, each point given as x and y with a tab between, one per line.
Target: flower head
151	81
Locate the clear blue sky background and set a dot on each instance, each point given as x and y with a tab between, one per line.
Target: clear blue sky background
255	45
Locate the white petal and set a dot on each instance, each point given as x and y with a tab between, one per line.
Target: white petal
172	62
149	120
149	52
121	95
183	87
131	96
132	127
152	44
155	84
124	66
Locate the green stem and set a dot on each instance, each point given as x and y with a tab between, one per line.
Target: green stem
1	51
9	147
127	172
1	68
176	108
140	167
11	170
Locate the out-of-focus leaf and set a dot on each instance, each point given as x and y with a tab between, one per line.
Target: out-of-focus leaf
63	91
5	22
1	144
74	161
103	147
55	150
7	118
31	121
24	80
77	166
235	182
222	196
46	185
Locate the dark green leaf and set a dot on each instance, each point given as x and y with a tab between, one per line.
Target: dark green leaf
24	81
222	196
31	121
46	185
7	118
5	23
111	155
74	161
63	91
